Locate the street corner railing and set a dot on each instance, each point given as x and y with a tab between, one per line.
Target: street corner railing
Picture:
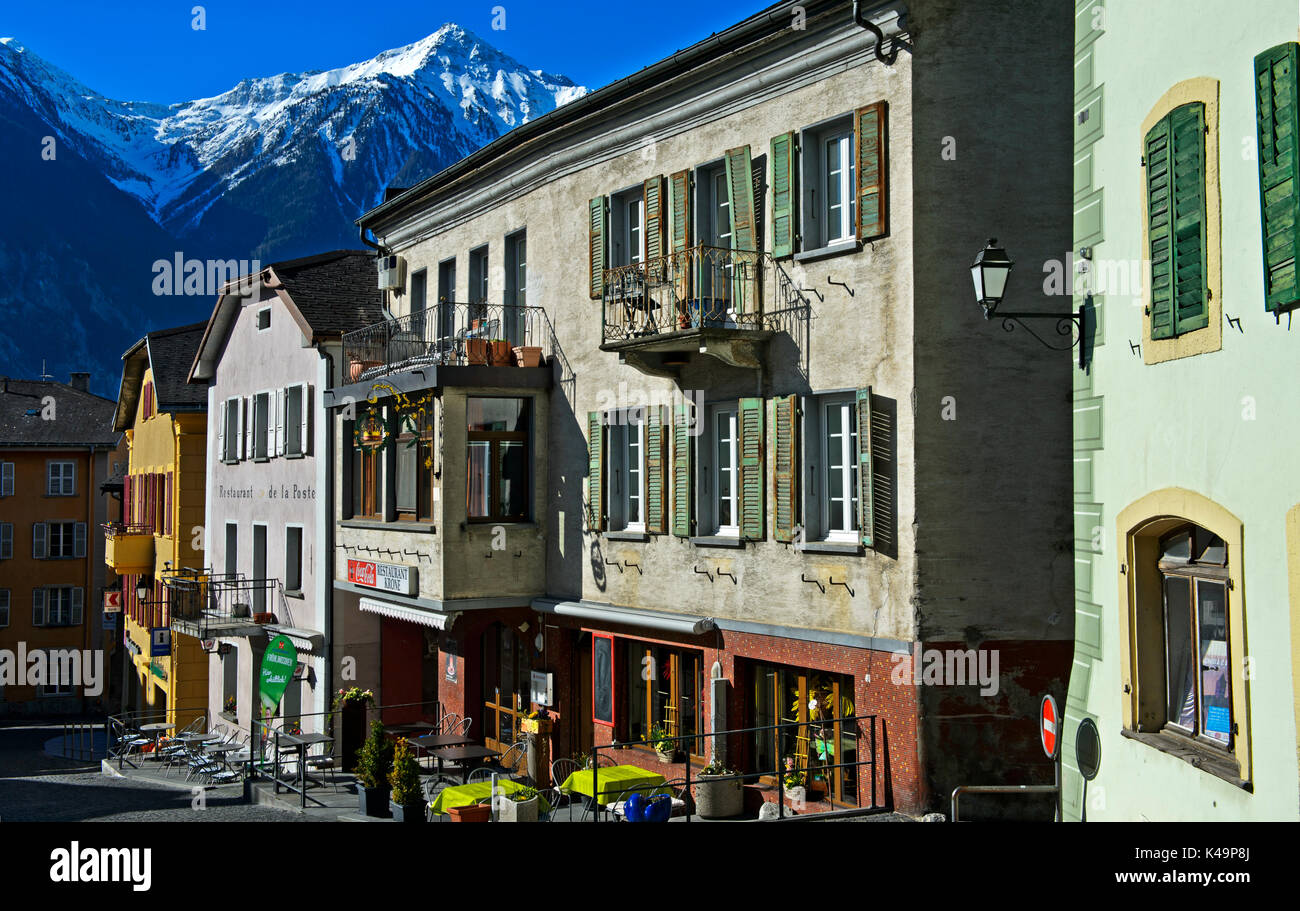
699	287
452	334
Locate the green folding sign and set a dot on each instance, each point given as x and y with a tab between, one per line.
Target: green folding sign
277	670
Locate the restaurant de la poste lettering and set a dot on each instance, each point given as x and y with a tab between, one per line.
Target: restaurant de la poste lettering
274	492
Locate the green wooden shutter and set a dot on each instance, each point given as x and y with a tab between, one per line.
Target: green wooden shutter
653	193
1157	152
1276	105
872	189
596	245
785	469
783	195
682	506
752	482
679	235
656	465
1187	129
744	238
595	471
866	484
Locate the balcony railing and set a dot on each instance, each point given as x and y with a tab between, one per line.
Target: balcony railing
449	333
128	548
698	288
207	605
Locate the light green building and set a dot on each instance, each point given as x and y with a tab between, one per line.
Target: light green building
1187	420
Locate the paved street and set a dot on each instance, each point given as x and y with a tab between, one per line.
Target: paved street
37	787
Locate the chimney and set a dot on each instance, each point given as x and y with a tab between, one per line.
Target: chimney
80	382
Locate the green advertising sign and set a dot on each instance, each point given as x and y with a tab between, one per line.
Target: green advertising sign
277	670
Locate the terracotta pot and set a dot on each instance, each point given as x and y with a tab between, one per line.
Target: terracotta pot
528	356
479	812
476	350
499	353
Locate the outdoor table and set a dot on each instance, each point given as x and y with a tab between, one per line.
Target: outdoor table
434	742
615	780
299	743
413	728
464	754
465	795
156	729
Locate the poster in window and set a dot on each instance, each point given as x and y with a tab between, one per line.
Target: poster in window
602	679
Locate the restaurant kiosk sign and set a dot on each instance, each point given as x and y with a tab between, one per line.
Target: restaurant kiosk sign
278	665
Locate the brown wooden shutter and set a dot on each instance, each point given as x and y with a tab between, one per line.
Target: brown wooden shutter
169	503
656	471
682	467
785	470
752	482
595	471
596	245
869	144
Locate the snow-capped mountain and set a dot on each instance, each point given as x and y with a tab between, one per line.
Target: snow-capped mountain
275	167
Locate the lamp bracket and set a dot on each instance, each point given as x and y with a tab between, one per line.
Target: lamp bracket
1065	324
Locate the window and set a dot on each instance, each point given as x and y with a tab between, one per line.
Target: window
829	179
419	301
4	607
6	540
415	469
627	452
838	168
297	420
516	293
478	283
146	406
61	479
58	540
1183	308
627	222
6	479
1198	683
264	319
813	704
499	465
57	606
232	548
367	473
259	567
293	558
833	483
726	505
232	430
54	670
446	299
261	426
665	690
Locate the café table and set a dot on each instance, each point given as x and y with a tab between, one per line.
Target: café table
431	743
466	756
613	781
464	795
299	744
156	730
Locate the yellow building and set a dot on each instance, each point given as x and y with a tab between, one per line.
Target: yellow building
165	422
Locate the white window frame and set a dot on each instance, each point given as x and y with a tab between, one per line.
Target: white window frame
626	442
6	540
53	689
732	413
262	448
841	230
6	479
815	229
232	436
302	538
298	391
480	267
70	602
66	480
78	543
848	470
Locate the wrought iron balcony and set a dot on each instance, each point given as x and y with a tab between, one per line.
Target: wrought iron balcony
128	549
208	605
449	334
734	299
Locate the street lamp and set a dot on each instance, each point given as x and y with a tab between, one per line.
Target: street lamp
142	589
990	271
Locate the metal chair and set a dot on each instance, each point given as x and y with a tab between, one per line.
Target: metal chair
552	796
447	724
508	763
561	769
463	726
482	773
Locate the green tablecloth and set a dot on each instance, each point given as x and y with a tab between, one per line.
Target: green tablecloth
615	780
464	795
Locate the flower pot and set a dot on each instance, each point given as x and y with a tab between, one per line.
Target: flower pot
407	812
719	799
479	812
798	795
358	367
516	810
476	350
499	353
666	756
373	801
528	356
264	617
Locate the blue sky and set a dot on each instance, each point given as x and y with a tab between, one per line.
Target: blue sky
148	51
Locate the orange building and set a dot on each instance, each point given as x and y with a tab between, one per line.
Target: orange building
56	450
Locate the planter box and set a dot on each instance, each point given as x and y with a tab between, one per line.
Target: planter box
719	799
373	801
516	811
479	812
499	354
528	356
412	813
476	351
535	725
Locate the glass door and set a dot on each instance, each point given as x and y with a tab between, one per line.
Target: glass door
506	668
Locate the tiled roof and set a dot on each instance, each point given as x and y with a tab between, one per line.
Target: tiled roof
336	292
79	418
171	352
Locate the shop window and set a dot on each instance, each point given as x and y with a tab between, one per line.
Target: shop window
367	473
507	665
499	468
810	706
665	691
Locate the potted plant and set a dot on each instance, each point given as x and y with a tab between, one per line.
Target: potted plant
475	812
718	799
372	771
793	782
665	747
528	356
351	705
519	805
498	352
407	801
476	351
231	709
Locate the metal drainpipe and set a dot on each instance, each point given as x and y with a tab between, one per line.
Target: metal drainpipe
329	531
860	19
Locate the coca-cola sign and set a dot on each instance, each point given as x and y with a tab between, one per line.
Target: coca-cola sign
388	577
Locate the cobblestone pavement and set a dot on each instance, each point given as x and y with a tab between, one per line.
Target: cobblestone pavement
37	787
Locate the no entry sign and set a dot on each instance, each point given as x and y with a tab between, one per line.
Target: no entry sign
1048	725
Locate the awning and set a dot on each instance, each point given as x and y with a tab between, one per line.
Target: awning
304	640
609	613
435	619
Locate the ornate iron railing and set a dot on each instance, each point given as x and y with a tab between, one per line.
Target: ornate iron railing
700	287
206	605
448	333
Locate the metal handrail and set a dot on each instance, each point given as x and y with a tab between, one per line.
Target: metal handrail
127	528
